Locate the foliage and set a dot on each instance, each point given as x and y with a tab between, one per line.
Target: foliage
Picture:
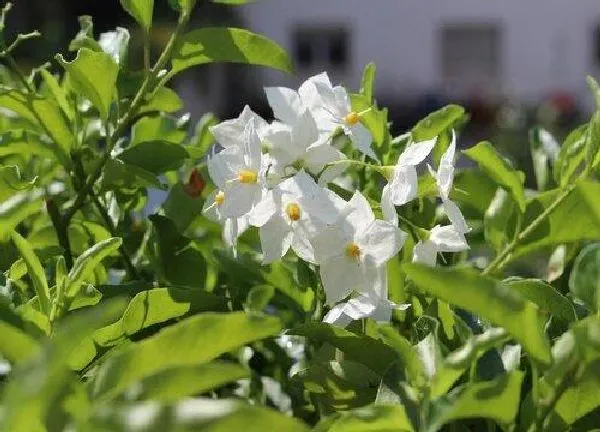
198	317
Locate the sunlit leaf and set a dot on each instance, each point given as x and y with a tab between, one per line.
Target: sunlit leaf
212	44
489	299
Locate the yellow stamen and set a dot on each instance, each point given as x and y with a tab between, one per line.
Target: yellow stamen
352	251
247	176
293	211
219	198
352	118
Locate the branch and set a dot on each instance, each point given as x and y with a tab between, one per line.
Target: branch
503	257
124	121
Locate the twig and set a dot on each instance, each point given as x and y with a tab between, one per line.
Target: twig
503	257
62	232
124	121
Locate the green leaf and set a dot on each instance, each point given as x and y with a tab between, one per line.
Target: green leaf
171	385
58	93
141	10
376	120
545	296
499	170
374	418
35	271
497	399
182	208
259	297
203	139
11	182
16	345
368	79
580	205
120	175
86	263
489	299
459	361
233	45
39	389
24	143
373	353
183	6
501	220
180	261
180	345
16	209
45	114
584	281
156	157
571	156
162	304
160	128
94	75
407	354
164	100
437	122
339	385
195	415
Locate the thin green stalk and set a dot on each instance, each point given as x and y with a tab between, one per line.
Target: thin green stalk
548	406
113	232
503	257
124	121
62	231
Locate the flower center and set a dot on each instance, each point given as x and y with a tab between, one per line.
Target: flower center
352	251
247	176
352	118
293	211
219	198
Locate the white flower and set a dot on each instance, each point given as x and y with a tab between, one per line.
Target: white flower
404	181
237	173
441	239
230	133
351	251
333	111
289	215
373	304
232	227
444	181
298	146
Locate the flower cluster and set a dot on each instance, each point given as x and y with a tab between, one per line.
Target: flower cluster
274	176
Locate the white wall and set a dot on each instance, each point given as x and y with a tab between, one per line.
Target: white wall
546	44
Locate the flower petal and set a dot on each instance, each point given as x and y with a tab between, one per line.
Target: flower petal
340	276
285	103
275	239
425	252
361	138
456	217
263	210
381	241
448	239
416	153
404	185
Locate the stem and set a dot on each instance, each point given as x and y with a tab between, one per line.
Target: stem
14	67
504	257
547	406
113	232
124	121
62	232
146	51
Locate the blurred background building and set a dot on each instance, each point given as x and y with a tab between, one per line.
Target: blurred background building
511	62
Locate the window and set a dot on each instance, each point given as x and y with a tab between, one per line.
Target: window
470	56
321	48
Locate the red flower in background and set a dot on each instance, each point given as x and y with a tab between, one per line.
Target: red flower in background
195	184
